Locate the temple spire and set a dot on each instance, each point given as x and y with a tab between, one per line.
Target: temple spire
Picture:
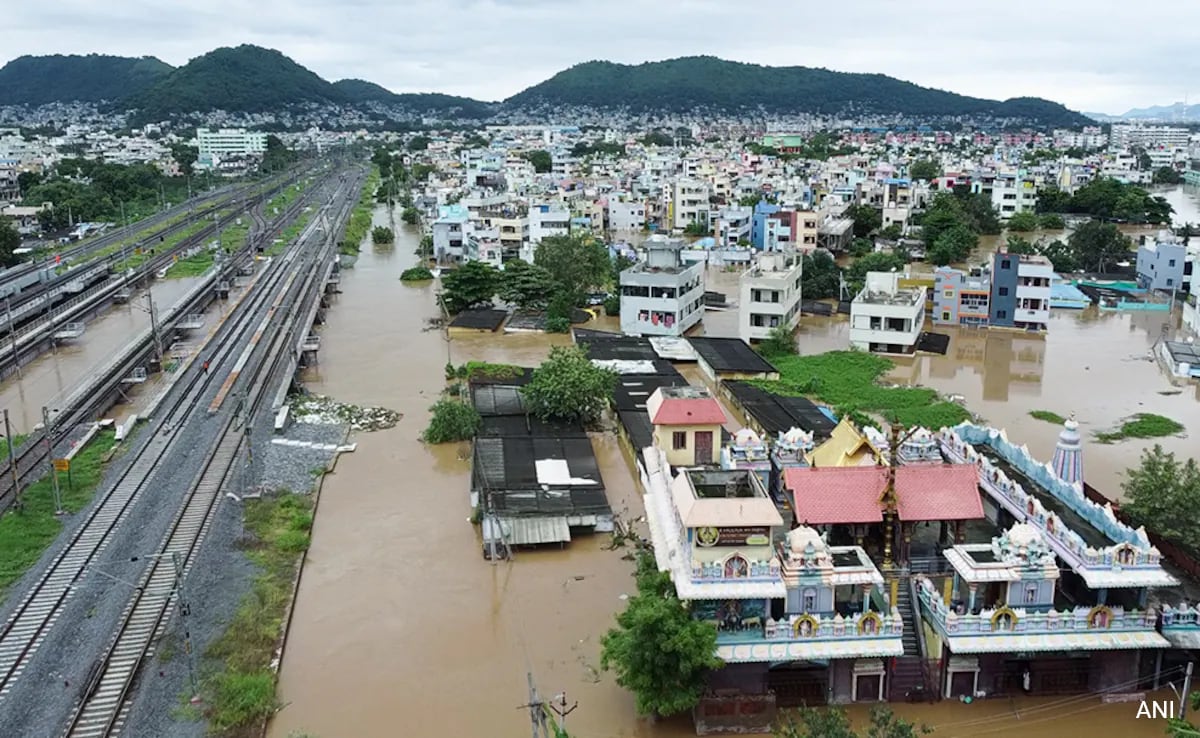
1068	453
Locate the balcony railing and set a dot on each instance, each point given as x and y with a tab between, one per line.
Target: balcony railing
812	628
1184	617
1007	620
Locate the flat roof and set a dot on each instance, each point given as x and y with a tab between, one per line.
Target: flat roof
497	399
482	319
731	355
533	476
778	414
615	347
1182	352
633	390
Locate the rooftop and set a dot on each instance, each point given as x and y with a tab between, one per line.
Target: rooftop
1184	353
777	414
685	405
482	320
901	296
723	499
731	355
852	494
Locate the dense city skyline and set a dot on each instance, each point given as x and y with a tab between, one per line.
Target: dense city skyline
1072	54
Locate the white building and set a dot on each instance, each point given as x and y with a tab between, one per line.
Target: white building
626	216
662	296
1125	136
450	232
770	295
733	226
689	203
1012	194
548	220
228	142
885	317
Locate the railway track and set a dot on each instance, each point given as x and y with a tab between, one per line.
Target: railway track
39	610
33	452
107	698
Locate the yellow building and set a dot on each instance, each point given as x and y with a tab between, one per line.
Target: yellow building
687	424
846	447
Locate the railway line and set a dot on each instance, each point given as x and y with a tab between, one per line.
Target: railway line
260	328
94	396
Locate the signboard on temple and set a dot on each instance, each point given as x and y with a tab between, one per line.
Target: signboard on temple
735	536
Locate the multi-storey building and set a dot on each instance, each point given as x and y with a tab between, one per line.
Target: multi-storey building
548	220
770	295
1013	193
626	215
1020	296
689	203
228	142
961	298
1161	263
449	233
733	226
1125	136
885	317
662	296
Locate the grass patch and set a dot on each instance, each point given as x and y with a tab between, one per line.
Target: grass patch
291	233
193	266
360	217
25	535
241	691
849	382
1142	425
485	370
1047	416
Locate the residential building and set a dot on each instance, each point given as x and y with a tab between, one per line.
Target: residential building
835	235
449	233
687	424
1125	136
1161	263
885	317
548	220
10	190
1020	296
961	297
228	142
733	227
770	295
626	215
689	203
661	296
1013	193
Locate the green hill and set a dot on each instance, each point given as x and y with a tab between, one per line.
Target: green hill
707	82
37	80
244	79
358	91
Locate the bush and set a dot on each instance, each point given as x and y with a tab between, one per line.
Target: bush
1051	222
558	324
242	698
612	305
452	421
781	341
382	234
416	274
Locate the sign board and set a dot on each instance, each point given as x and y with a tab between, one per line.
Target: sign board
62	465
735	536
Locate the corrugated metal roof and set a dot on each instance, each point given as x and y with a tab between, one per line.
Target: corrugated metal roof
532	531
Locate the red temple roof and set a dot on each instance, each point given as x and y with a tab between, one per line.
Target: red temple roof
851	494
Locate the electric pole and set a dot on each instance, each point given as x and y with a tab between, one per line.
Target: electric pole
18	503
12	335
559	705
58	508
185	609
158	349
537	712
1187	688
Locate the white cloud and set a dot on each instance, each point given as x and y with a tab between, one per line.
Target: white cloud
1095	55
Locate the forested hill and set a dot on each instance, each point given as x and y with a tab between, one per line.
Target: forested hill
38	80
707	82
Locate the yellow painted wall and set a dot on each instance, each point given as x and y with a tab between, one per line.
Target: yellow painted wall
720	553
686	456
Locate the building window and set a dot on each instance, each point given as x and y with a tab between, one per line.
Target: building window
1001	314
679	440
1031	592
1170	281
1004	292
810	601
1171	263
948	294
1006	263
946	315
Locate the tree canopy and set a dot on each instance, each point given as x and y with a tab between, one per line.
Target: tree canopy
657	649
924	169
473	283
93	190
953	245
866	219
1163	494
1023	222
540	159
1097	246
10	241
820	276
277	156
1107	199
568	386
878	261
576	262
526	285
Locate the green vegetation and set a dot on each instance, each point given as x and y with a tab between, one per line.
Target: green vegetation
568	386
382	235
193	266
10	241
670	85
360	216
780	341
1107	199
278	156
241	688
924	170
1142	425
540	159
528	286
819	278
1166	176
140	188
657	649
1047	416
1051	222
598	148
37	80
452	420
1163	493
473	283
832	722
25	533
866	219
281	202
1023	222
856	274
952	224
482	370
849	382
697	229
416	274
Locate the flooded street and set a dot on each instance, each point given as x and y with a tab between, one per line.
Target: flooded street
55	373
402	628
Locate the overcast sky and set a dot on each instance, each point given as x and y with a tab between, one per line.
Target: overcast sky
1092	55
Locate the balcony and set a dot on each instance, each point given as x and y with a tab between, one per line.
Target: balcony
1006	629
808	637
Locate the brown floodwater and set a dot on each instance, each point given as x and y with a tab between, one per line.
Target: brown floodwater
402	629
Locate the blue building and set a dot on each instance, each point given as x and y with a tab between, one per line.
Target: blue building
1160	263
758	223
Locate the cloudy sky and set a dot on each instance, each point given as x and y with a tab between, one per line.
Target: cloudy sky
1092	55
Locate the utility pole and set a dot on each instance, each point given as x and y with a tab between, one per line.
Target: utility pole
18	503
158	349
185	609
537	712
560	708
58	508
1187	688
12	335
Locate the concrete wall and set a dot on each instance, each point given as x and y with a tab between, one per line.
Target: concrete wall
664	439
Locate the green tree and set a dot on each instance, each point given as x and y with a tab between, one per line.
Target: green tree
780	341
952	246
866	219
620	263
820	276
418	143
1163	494
568	386
832	722
892	232
473	283
861	247
185	156
924	169
1018	245
277	156
525	285
878	261
657	649
1098	246
979	212
577	262
944	212
425	248
451	420
1166	176
1145	163
1051	222
696	228
1023	222
540	159
1053	200
10	241
410	215
1062	257
382	234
